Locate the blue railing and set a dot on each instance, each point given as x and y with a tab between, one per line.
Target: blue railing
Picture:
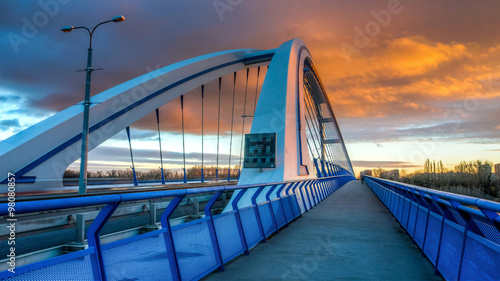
460	235
187	251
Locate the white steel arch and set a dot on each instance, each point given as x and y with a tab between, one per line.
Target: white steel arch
41	153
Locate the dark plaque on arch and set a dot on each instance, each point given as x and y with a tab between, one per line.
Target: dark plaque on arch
260	151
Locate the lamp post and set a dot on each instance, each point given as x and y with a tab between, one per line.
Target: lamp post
82	186
86	104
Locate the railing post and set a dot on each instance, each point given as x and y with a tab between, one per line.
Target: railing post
287	192
99	272
314	193
268	198
318	171
305	186
169	241
278	194
257	214
323	189
325	174
238	220
211	228
301	196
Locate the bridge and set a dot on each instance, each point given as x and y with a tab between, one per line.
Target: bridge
292	210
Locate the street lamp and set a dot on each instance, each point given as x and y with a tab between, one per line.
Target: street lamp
85	134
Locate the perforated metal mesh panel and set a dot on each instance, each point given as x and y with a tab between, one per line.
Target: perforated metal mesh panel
481	259
265	217
193	246
489	231
399	203
421	222
287	205
74	269
404	215
451	247
412	218
432	238
249	222
126	259
228	235
278	213
295	205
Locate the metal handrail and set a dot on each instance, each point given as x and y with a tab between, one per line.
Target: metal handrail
446	197
67	203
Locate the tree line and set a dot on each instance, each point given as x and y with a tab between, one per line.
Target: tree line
473	178
194	172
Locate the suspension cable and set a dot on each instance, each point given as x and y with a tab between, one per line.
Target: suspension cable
183	141
231	138
136	182
202	134
218	134
159	141
243	117
256	91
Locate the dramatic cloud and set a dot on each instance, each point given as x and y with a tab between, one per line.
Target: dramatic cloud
10	123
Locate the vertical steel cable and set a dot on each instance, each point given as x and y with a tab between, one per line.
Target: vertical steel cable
202	134
243	117
218	135
231	138
159	141
183	141
136	182
256	92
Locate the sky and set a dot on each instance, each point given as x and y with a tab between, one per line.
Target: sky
408	80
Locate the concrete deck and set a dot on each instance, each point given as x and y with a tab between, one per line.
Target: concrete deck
349	236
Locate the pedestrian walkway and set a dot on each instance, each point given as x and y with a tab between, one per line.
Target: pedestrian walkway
348	236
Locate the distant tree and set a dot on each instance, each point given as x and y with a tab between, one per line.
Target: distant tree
377	172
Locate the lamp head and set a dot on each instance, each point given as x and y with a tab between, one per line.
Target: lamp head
119	18
67	28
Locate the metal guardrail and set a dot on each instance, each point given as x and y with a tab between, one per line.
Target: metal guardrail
187	251
459	234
